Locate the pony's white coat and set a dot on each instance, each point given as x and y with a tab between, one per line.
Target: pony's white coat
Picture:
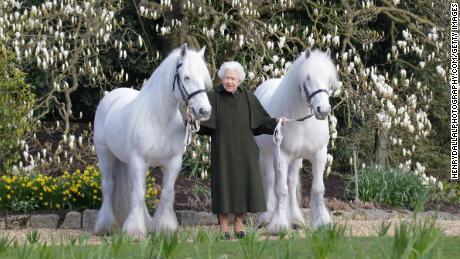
302	140
136	129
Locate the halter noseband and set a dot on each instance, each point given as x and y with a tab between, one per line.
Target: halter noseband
185	95
309	96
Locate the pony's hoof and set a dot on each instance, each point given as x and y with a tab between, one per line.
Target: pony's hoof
276	228
264	219
149	224
262	224
321	221
164	221
137	232
165	228
102	229
137	236
298	223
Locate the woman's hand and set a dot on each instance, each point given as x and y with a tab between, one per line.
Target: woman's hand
186	115
283	120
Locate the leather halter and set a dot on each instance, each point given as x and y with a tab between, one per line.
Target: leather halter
185	95
191	125
308	95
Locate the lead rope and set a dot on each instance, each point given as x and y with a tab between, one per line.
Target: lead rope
278	138
187	138
278	135
191	126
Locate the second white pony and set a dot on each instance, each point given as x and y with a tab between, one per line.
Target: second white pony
302	92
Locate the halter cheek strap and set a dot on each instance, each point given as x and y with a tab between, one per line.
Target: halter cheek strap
309	96
185	95
191	124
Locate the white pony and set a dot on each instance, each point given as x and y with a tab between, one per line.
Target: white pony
306	85
136	129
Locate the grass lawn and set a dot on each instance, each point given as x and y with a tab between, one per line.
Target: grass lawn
176	247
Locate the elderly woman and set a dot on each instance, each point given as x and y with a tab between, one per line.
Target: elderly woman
236	117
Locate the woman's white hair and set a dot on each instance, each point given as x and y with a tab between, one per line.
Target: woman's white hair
232	65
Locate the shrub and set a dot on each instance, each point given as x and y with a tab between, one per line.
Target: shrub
391	187
69	191
450	193
196	161
51	152
16	103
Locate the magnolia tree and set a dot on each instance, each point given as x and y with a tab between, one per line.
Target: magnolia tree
390	56
381	50
64	40
394	94
64	46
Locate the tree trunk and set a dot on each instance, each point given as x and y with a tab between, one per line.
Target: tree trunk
381	147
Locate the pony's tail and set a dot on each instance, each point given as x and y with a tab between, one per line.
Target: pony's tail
299	187
121	191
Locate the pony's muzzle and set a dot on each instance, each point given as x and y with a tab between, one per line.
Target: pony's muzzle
321	112
203	113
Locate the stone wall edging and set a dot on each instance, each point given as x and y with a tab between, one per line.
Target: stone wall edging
86	220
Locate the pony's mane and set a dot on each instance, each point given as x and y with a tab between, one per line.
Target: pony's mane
318	63
155	95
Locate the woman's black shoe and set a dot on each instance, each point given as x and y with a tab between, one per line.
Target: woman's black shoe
240	234
226	236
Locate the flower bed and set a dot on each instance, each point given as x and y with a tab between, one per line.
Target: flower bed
80	189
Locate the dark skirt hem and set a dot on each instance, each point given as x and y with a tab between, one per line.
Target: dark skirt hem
238	212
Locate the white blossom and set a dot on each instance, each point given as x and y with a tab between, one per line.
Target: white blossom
315	11
336	40
403	73
281	42
440	70
222	28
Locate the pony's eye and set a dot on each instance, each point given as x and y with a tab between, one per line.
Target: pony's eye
308	78
186	78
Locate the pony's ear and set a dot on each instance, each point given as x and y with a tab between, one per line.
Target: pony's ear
328	52
183	50
307	53
202	51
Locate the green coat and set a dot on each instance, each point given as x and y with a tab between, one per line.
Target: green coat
236	182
